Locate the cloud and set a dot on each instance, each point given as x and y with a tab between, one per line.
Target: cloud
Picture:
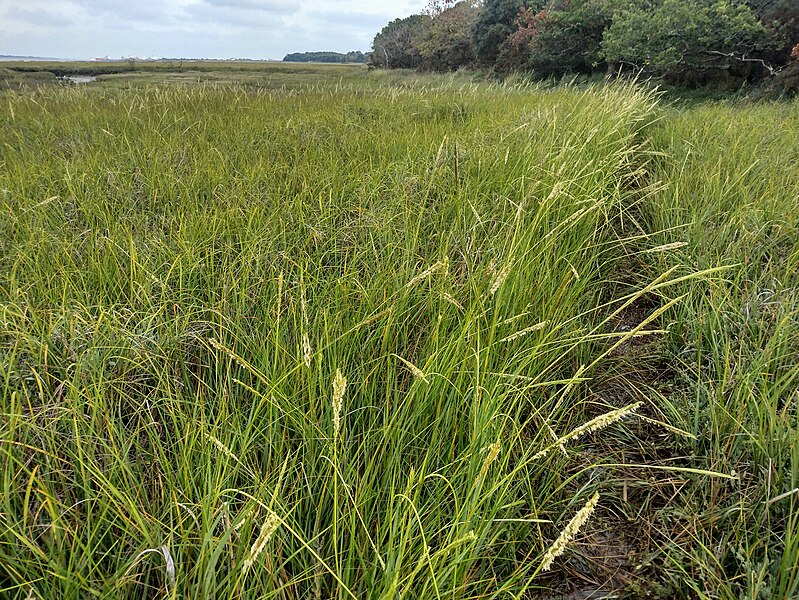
122	12
273	7
193	28
207	17
38	17
353	20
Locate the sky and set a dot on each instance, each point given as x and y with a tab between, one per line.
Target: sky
82	29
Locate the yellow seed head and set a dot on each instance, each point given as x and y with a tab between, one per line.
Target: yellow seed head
267	530
306	350
595	424
451	300
417	372
439	265
339	387
503	275
524	332
492	454
567	535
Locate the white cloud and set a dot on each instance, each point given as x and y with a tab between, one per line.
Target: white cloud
192	28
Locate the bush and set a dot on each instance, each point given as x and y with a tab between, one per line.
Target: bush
688	40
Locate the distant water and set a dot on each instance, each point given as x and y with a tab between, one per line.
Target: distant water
80	78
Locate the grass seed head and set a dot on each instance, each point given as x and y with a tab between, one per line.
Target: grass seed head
567	535
595	424
307	352
603	421
417	372
492	453
439	265
267	530
524	332
221	447
339	387
452	300
503	274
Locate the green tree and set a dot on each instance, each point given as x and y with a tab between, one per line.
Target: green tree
447	43
326	57
570	41
781	17
563	38
494	23
396	46
681	39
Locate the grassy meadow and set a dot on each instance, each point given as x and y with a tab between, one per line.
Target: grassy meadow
386	336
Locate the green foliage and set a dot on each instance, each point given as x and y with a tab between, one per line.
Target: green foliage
570	40
447	43
188	274
682	37
788	79
16	80
493	25
781	17
684	41
326	57
397	44
565	38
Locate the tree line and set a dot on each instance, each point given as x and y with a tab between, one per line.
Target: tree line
685	42
327	57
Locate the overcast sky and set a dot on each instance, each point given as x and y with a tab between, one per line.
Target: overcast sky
83	29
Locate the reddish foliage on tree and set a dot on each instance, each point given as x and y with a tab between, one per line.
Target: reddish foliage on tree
527	24
515	50
795	53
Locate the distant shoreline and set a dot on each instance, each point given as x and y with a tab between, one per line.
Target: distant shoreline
12	58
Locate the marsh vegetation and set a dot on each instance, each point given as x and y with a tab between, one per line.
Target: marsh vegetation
396	336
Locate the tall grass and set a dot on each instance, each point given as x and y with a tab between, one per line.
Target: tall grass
396	337
730	196
299	344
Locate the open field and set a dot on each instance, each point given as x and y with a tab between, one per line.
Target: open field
127	74
375	336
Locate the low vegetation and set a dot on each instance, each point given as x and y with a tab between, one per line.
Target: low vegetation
326	57
394	336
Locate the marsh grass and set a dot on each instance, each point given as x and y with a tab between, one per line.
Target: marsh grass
314	340
730	201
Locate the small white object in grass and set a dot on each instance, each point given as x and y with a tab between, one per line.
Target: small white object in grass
571	530
170	564
267	530
503	274
306	350
667	247
339	387
170	568
417	372
524	332
243	519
